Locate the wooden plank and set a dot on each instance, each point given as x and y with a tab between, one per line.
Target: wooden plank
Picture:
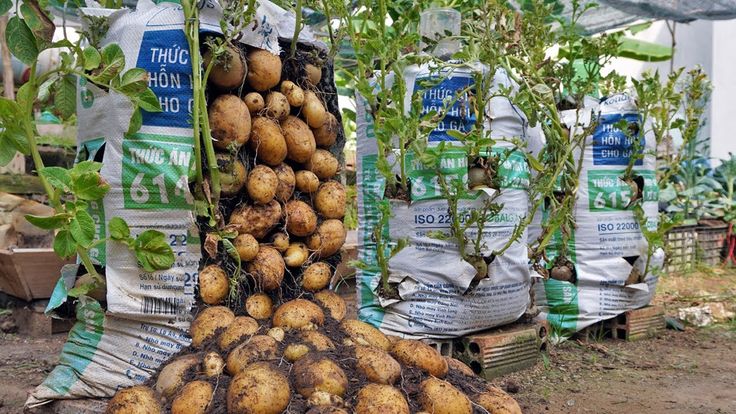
21	184
30	273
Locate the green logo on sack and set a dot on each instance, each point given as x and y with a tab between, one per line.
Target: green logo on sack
86	97
156	172
514	169
608	192
425	184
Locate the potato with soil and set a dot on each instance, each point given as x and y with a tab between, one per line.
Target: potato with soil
287	180
299	139
138	399
383	399
318	373
316	276
259	389
247	246
255	103
171	377
328	239
308	340
194	398
262	184
213	364
301	220
232	174
440	397
333	303
330	200
298	314
326	135
229	69
459	366
377	365
256	220
264	70
259	306
296	254
327	410
207	323
277	106
214	285
313	110
267	268
257	348
280	241
267	141
496	401
418	354
229	122
294	94
314	73
306	181
360	333
241	328
323	164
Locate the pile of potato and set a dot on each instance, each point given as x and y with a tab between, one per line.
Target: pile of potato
299	355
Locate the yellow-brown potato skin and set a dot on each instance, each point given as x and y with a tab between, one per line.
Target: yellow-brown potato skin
323	164
326	135
298	314
242	327
259	389
301	220
257	220
328	239
259	306
214	285
267	268
381	399
262	184
208	321
362	333
316	276
333	303
264	70
316	373
171	377
138	399
230	122
420	355
257	348
193	398
497	401
267	141
377	365
229	72
330	200
300	142
440	397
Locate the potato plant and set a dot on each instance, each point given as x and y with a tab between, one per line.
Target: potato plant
70	191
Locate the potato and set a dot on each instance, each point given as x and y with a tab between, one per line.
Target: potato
247	247
420	355
277	334
328	239
262	184
259	306
313	110
459	366
377	365
314	73
214	285
194	398
306	181
497	401
293	352
212	364
323	164
300	218
330	200
277	106
298	314
208	322
267	268
257	348
171	377
294	94
324	399
440	397
257	220
383	399
259	389
326	135
232	174
318	373
264	70
316	276
287	180
280	241
240	328
326	409
333	302
229	122
267	141
299	139
255	103
296	255
229	69
138	399
360	333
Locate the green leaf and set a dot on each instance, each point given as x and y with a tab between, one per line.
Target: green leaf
7	152
136	121
113	61
48	223
85	167
25	95
82	228
65	98
634	29
644	51
118	229
153	252
135	75
81	290
5	5
534	163
148	101
64	244
90	186
92	58
58	177
21	42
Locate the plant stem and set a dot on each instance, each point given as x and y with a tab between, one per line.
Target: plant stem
297	28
